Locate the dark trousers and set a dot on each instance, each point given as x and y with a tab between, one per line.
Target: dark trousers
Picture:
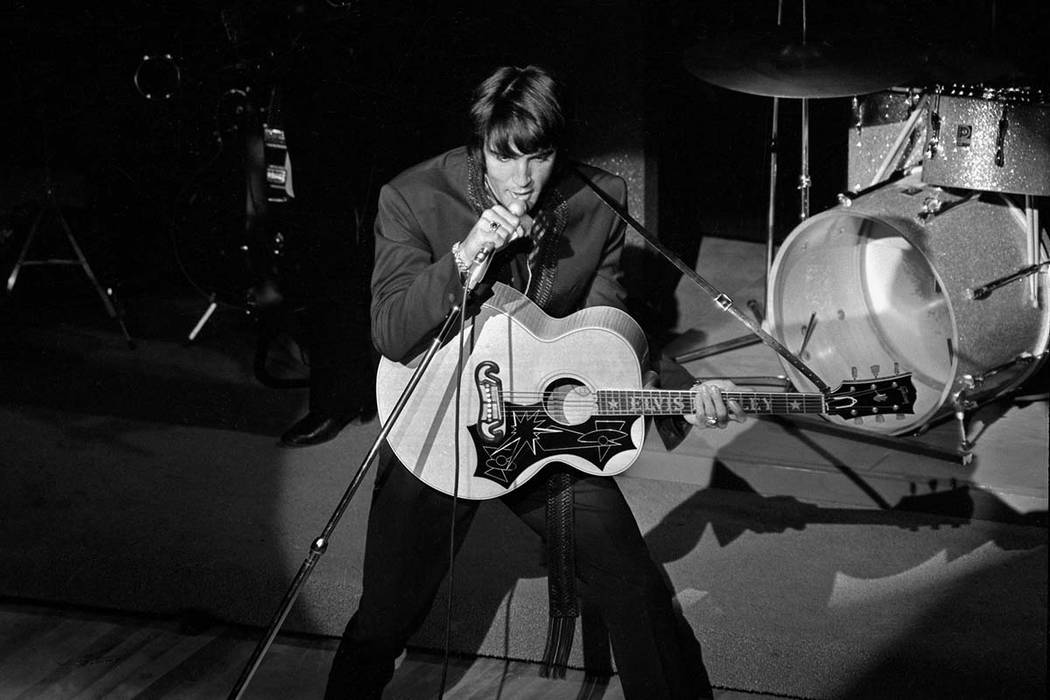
406	558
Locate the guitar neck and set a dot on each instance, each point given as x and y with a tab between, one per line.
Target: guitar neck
662	402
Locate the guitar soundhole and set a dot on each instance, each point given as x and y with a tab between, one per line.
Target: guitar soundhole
569	402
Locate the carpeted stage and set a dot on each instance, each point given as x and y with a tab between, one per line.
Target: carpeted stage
813	563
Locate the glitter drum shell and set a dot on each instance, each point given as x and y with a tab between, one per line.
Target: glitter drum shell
991	139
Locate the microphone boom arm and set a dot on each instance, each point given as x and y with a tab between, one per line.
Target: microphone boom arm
723	300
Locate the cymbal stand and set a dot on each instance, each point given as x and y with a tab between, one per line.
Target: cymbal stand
51	208
772	212
804	180
320	544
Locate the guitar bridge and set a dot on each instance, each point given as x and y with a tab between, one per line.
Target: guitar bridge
491	420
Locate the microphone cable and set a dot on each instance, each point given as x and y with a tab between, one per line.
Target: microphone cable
455	487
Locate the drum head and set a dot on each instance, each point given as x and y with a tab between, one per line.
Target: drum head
888	289
876	304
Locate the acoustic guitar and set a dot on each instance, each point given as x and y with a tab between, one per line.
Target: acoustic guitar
536	389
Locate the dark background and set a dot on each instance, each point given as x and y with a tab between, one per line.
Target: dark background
151	183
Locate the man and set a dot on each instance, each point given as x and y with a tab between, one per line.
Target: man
513	192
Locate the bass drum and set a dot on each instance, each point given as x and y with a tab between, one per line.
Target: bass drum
888	281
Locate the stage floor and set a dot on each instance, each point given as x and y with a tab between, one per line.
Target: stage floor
812	562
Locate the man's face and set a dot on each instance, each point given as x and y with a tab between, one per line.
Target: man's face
519	177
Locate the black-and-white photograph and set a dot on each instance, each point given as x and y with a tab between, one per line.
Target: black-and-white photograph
581	350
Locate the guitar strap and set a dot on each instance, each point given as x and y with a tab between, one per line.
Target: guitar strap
541	260
561	573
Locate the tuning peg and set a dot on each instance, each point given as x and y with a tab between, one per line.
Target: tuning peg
853	372
879	418
875	371
896	367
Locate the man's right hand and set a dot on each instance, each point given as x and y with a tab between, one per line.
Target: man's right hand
498	226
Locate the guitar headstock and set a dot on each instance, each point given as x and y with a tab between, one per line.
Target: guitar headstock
856	398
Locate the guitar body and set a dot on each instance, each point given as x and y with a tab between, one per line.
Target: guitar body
523	398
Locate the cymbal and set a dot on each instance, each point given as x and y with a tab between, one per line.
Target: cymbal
769	65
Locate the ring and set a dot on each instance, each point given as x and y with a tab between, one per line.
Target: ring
493	225
712	421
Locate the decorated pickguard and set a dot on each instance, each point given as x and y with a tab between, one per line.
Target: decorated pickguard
533	435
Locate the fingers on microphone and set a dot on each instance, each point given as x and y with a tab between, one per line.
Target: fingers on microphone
508	217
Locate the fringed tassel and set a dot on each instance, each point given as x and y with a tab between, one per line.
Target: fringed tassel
560	631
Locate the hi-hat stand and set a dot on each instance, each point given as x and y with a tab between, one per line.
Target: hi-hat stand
51	210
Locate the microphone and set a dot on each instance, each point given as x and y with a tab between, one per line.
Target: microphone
479	267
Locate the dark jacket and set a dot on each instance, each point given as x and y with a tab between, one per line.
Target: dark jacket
424	210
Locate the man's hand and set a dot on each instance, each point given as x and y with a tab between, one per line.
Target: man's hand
495	229
712	409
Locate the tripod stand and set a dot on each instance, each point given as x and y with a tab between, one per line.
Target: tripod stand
51	211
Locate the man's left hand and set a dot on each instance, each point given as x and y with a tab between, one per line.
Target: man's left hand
713	410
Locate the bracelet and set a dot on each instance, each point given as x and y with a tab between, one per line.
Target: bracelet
463	265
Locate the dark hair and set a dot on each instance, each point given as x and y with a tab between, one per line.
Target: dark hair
517	108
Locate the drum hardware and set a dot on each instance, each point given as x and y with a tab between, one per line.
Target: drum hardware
933	146
935	206
961	405
845	199
983	291
1000	138
891	162
807	333
888	136
968	383
1034	232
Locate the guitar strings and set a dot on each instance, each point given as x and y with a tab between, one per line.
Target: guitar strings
672	394
525	401
668	392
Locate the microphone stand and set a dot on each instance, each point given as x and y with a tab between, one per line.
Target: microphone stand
723	300
320	544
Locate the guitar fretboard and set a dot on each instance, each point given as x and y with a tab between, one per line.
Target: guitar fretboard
661	402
